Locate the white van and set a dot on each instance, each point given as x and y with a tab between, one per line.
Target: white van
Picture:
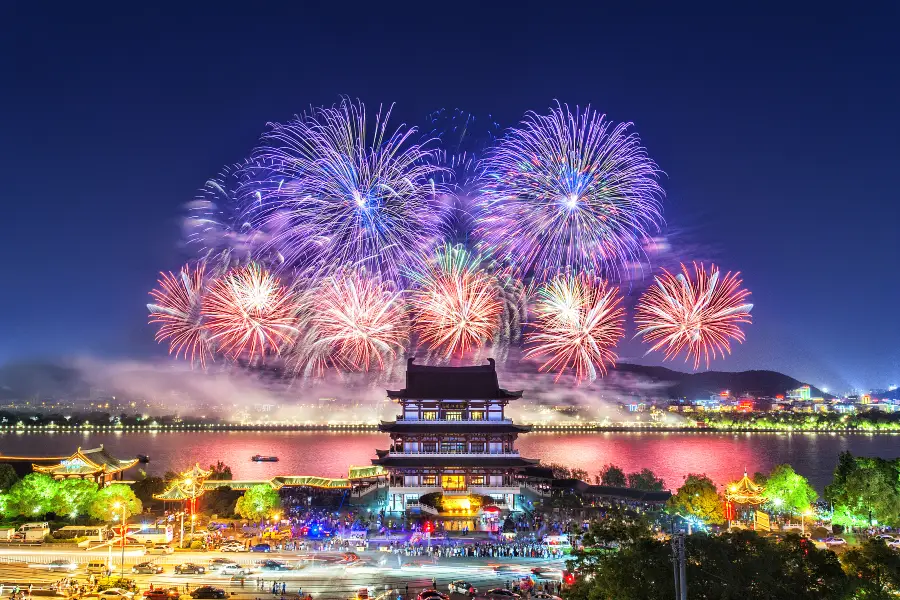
97	567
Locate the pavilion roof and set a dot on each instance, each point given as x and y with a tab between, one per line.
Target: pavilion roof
87	462
452	383
745	491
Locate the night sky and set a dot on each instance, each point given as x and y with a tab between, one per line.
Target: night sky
780	138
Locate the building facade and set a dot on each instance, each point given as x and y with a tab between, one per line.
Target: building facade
452	439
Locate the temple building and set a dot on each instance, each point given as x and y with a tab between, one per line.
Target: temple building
95	464
452	447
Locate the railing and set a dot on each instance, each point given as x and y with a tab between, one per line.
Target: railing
438	453
418	421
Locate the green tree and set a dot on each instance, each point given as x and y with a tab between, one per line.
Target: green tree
32	496
258	502
698	497
865	490
612	476
874	570
146	487
109	502
220	471
8	478
646	480
788	491
74	497
221	501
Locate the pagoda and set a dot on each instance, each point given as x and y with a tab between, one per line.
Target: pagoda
452	441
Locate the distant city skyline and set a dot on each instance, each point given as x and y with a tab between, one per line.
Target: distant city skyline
777	137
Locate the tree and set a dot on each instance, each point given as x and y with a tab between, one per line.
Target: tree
258	502
788	491
8	478
874	570
698	497
109	502
74	497
34	495
612	476
147	487
646	480
220	471
221	501
865	489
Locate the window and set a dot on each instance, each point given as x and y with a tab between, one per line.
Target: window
476	415
453	482
429	446
429	480
476	479
477	447
453	415
453	447
429	415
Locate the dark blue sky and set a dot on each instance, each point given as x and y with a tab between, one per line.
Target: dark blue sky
780	137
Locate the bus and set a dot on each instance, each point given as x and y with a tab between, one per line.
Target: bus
33	532
91	533
148	533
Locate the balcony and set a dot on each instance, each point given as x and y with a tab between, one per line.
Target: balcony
402	453
417	421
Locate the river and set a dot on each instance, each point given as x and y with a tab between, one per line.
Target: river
723	456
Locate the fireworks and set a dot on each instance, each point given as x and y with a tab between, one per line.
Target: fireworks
698	314
357	322
457	305
578	324
248	313
338	194
569	192
177	310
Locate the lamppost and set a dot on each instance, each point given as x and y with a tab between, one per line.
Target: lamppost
806	513
117	506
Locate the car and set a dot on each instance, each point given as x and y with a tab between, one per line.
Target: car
261	548
115	594
235	569
189	568
544	596
432	594
274	565
220	562
835	541
500	594
62	565
885	536
501	568
545	573
461	586
147	568
895	544
362	594
232	547
208	591
162	594
160	549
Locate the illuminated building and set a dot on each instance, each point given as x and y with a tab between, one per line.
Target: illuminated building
802	393
95	464
452	442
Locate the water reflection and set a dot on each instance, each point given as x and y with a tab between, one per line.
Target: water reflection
722	456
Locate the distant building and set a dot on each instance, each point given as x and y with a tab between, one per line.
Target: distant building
802	393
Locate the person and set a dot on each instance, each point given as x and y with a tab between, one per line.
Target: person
283	588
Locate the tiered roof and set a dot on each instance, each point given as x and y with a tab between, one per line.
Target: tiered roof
745	492
452	383
86	462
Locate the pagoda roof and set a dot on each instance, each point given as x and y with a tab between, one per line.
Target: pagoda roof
745	491
86	462
453	383
420	460
456	427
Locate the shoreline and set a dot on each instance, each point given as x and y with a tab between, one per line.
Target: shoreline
373	428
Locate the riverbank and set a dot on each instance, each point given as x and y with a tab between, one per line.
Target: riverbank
573	427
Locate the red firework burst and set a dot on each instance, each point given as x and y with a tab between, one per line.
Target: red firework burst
578	323
698	313
248	312
457	306
176	308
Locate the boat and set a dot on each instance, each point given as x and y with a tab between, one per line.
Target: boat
260	458
143	458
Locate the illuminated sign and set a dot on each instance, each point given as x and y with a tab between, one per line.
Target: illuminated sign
73	464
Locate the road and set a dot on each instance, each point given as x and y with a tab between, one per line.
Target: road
323	574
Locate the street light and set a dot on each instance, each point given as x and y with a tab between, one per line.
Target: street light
117	506
806	513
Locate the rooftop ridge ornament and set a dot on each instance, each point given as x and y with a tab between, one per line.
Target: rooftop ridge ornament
745	491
